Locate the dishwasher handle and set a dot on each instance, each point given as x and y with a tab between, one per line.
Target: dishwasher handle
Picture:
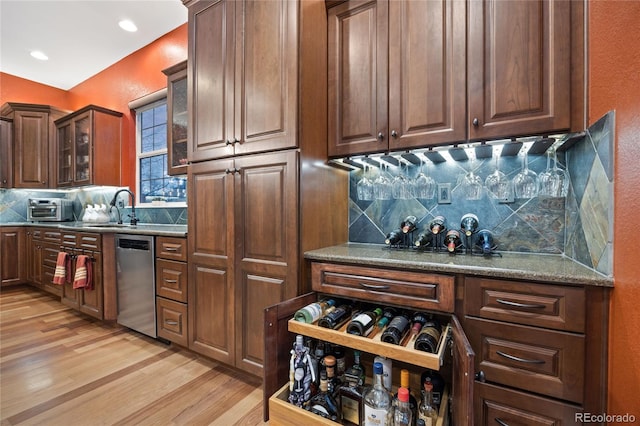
125	243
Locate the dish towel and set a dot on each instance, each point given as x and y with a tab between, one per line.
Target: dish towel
83	277
62	273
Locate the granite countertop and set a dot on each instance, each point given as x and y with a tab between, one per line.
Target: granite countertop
538	267
141	228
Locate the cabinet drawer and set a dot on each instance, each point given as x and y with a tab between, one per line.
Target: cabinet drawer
550	306
281	412
543	361
90	242
495	405
422	291
51	235
171	248
47	281
50	254
171	280
172	320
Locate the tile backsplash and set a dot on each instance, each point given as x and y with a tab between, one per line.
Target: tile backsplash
578	225
13	205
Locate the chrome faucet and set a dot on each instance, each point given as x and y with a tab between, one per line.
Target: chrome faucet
134	219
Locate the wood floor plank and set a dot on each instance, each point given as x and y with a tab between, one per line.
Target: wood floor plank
58	367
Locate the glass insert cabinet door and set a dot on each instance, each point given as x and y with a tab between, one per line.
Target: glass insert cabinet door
65	154
82	139
177	118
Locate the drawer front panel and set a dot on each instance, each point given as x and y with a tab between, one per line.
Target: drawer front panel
550	306
171	248
410	289
171	280
50	254
172	320
89	242
542	361
497	406
51	235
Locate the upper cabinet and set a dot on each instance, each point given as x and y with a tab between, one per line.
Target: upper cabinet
177	119
89	147
519	67
6	153
242	98
33	133
396	75
407	74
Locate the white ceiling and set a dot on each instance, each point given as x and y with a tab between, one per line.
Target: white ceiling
80	37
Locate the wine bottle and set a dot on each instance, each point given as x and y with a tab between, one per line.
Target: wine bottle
396	329
394	237
485	241
452	240
301	373
417	321
429	337
469	224
438	384
313	311
323	403
388	314
355	375
408	225
437	225
362	324
376	401
333	383
336	318
423	240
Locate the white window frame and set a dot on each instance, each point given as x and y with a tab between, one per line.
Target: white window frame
138	106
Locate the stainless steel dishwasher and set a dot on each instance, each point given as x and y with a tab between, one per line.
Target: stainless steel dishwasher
135	281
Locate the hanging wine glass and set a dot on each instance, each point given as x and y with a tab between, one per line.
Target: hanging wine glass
364	187
401	186
472	185
382	187
424	185
498	184
525	183
554	182
546	180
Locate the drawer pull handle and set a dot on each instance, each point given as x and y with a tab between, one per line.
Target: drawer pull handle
171	322
518	359
520	305
171	249
501	422
374	287
170	281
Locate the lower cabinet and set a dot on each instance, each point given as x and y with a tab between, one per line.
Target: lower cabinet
43	245
413	291
171	289
12	251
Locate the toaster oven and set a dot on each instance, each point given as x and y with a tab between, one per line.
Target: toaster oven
49	210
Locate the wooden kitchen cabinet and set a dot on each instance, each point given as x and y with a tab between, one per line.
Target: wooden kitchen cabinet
243	59
541	350
246	259
33	134
12	255
261	81
88	147
6	153
172	289
43	245
177	119
454	352
407	74
396	75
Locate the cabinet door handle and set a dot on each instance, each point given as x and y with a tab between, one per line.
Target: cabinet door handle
228	142
394	134
170	281
501	422
520	305
171	322
374	287
475	122
380	136
518	359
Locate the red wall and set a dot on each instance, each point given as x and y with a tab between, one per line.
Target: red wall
132	77
614	84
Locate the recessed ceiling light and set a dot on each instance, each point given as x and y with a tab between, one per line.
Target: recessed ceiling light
39	55
128	25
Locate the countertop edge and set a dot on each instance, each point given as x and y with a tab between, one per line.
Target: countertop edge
161	230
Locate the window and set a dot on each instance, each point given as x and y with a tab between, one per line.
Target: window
153	183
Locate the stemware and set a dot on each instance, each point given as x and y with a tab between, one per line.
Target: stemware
424	185
472	185
554	182
364	187
402	187
498	184
525	183
382	189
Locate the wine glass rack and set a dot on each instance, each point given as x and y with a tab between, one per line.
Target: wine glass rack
437	244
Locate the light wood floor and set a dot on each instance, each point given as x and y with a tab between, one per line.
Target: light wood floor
58	367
